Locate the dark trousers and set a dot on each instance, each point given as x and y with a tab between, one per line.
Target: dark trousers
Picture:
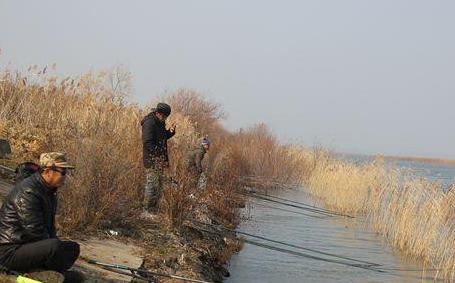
49	254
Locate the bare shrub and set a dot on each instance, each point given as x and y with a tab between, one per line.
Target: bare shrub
89	118
97	129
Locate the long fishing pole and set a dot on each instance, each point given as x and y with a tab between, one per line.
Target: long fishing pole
140	271
131	274
293	201
314	210
361	266
291	211
287	244
256	179
291	205
7	169
300	254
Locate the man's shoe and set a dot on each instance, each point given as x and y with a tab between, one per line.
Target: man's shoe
74	276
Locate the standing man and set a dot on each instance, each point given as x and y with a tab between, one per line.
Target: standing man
28	238
194	162
154	139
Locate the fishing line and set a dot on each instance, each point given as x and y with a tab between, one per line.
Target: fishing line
288	210
291	205
365	264
362	266
300	254
313	210
287	244
293	201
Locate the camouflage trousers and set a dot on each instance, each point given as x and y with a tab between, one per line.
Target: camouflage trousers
153	188
197	181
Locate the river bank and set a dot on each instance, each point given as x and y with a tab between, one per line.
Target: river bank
190	252
100	130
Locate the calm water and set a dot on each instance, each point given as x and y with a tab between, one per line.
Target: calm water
347	237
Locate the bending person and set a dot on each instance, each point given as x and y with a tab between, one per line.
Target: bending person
194	162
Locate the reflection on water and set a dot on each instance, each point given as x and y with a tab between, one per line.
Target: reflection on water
346	237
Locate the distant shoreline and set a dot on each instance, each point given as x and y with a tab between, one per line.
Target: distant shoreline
420	159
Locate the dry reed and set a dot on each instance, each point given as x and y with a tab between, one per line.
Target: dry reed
414	214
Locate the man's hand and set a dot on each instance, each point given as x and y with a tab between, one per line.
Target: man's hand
172	129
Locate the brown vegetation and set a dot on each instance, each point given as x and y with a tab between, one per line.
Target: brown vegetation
415	215
90	118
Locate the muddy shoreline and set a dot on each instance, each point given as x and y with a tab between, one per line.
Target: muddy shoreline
192	251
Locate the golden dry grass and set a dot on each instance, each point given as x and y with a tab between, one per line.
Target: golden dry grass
90	118
414	214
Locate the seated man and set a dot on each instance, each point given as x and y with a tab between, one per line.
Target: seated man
28	238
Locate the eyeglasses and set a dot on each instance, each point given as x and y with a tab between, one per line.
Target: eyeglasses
62	172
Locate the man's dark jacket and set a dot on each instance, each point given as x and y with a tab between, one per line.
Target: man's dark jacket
28	212
194	160
154	140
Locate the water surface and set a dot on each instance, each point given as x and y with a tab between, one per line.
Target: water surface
342	236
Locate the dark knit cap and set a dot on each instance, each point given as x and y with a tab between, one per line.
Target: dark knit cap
163	108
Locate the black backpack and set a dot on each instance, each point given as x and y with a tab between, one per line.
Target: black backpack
25	170
5	148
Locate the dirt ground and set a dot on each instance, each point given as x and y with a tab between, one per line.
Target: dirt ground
190	252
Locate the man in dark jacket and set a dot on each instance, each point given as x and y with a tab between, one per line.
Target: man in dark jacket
154	139
194	162
28	238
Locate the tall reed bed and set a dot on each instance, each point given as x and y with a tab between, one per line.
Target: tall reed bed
414	214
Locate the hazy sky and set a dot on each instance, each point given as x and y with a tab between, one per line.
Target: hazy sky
357	76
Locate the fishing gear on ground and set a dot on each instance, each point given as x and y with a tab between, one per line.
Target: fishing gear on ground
139	273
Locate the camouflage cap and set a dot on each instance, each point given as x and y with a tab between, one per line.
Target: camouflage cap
57	159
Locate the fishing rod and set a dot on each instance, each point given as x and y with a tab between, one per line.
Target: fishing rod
288	210
372	266
255	180
361	266
311	207
287	244
291	201
7	169
291	205
138	272
313	210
